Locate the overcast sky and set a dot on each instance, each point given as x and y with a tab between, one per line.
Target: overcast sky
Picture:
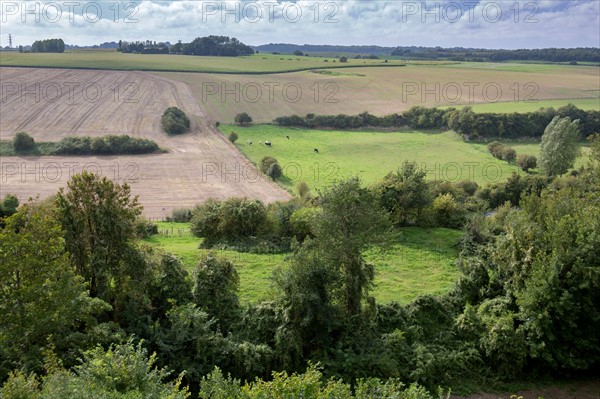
486	24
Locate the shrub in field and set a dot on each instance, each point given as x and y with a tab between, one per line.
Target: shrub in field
175	121
180	215
23	142
508	154
145	228
266	163
275	171
233	136
243	119
526	162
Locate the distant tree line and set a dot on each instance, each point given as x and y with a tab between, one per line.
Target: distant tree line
147	47
586	54
221	46
463	121
48	46
590	54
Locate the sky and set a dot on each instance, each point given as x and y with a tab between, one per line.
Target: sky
480	24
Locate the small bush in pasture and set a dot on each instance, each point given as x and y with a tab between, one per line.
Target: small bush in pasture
243	119
233	136
526	162
23	142
508	154
180	215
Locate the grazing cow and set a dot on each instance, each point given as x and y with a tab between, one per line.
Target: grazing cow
268	143
317	150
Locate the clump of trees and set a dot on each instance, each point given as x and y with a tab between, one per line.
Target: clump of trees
243	119
270	167
175	121
502	151
23	142
217	46
464	121
106	145
48	46
526	162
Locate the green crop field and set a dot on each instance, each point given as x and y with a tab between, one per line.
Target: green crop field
421	261
371	155
258	63
381	91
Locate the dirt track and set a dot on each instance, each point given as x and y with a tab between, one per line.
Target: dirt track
51	104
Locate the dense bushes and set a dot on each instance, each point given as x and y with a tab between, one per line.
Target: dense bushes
526	162
175	121
48	46
23	142
463	121
107	145
270	167
502	151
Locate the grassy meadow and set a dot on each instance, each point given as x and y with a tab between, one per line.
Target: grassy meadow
371	155
420	261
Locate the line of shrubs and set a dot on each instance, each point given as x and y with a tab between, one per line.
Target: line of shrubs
410	200
463	121
85	145
506	153
106	145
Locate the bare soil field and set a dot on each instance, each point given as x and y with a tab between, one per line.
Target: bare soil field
382	91
51	104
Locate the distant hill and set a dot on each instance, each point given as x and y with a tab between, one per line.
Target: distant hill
588	54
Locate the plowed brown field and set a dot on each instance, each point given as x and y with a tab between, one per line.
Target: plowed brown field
51	104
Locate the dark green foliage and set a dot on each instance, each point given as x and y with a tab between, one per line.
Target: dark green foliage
228	220
8	206
275	171
180	215
343	59
501	151
145	228
98	219
515	187
48	46
526	162
107	145
216	283
243	119
233	136
463	121
43	303
175	121
404	194
217	46
23	142
266	162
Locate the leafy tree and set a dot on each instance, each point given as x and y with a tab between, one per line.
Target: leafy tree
23	142
243	119
349	223
404	194
275	171
233	136
343	59
560	146
303	189
43	303
265	164
216	283
98	219
526	162
8	206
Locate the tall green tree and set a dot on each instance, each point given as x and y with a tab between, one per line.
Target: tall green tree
98	219
216	284
350	222
42	300
560	146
